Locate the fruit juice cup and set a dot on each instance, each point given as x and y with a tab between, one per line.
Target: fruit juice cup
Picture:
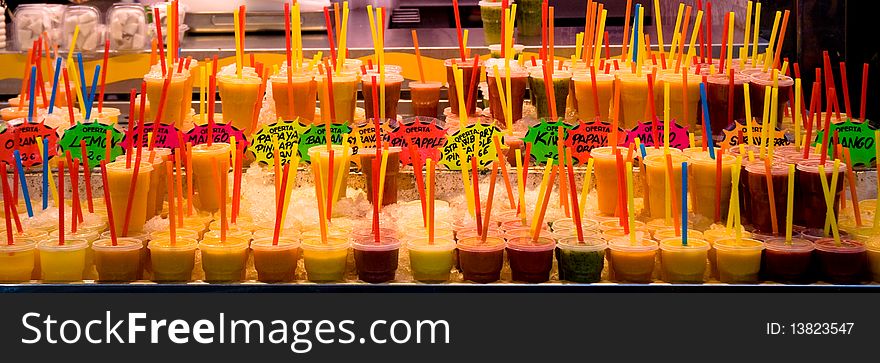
173	262
89	237
518	80
472	232
809	206
276	262
738	261
843	263
632	262
425	98
614	223
606	179
158	189
467	68
345	87
107	116
376	262
392	94
286	233
431	262
580	261
816	234
185	233
656	181
234	233
683	263
389	193
481	261
586	105
758	81
490	12
340	169
702	181
717	92
633	99
207	185
118	263
304	91
325	261
677	107
561	86
530	260
172	113
873	252
495	50
528	17
224	261
566	224
788	261
62	263
367	232
17	260
714	234
238	97
759	198
119	177
662	234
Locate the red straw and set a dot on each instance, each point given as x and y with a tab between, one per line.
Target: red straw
475	181
575	209
769	177
504	174
709	31
72	119
595	92
376	123
131	189
416	161
140	118
527	157
721	59
817	91
74	183
161	45
829	78
843	82
7	211
330	104
178	177
718	170
475	71
223	174
458	29
103	75
279	208
189	180
375	177
255	117
607	47
548	87
61	205
330	35
132	122
107	202
864	91
826	135
87	174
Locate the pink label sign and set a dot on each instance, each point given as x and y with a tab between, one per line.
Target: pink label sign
23	137
221	134
427	136
585	137
678	135
166	136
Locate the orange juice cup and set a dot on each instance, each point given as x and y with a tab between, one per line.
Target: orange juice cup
392	94
340	170
632	262
633	98
702	184
172	113
606	179
173	262
119	178
345	87
425	98
204	159
583	89
304	91
276	263
62	263
224	261
17	260
238	97
683	263
121	262
738	261
656	179
677	108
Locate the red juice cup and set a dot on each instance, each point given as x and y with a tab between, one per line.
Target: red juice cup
392	94
518	80
481	261
788	261
759	198
389	194
718	94
376	262
809	206
118	263
467	69
844	263
531	261
425	98
757	82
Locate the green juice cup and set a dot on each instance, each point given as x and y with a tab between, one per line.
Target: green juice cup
431	262
528	17
561	80
580	261
491	12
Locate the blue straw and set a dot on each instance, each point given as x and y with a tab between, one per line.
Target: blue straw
635	43
45	174
31	94
82	75
92	93
55	84
24	187
706	123
684	203
642	149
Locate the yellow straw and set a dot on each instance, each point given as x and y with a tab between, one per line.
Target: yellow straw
579	38
382	171
631	205
770	46
466	180
829	205
667	191
373	33
600	35
319	191
765	133
732	212
692	140
748	102
690	52
501	94
675	31
755	34
462	108
343	168
343	37
588	179
797	113
79	95
543	189
730	41
203	90
238	50
789	203
520	183
508	112
232	149
743	57
296	37
52	187
72	47
832	192
659	25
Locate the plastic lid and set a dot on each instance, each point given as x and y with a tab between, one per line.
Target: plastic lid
122	244
330	244
625	245
19	245
795	245
145	166
476	244
440	244
744	244
69	245
812	166
767	79
466	63
724	79
215	147
181	244
758	167
659	160
385	243
845	246
585	245
529	244
693	244
230	243
267	244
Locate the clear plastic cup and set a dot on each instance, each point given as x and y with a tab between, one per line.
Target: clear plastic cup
173	262
788	261
665	233
531	260
180	233
841	263
568	224
17	260
325	261
873	252
224	261
376	262
580	261
431	262
118	263
632	262
276	262
481	261
683	263
62	263
738	261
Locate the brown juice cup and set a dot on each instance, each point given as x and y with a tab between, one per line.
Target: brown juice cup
425	98
810	208
389	195
467	68
276	262
392	94
718	94
376	262
480	261
759	198
518	80
530	261
120	262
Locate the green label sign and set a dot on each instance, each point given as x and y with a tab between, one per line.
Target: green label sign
316	135
544	137
95	136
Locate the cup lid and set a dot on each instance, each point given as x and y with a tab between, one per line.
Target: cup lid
369	243
180	244
845	246
122	244
743	244
267	243
795	245
585	245
476	244
330	244
693	244
422	244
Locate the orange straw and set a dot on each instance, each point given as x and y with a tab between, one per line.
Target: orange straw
504	174
543	211
492	177
415	39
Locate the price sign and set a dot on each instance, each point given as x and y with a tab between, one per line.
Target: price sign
585	137
165	136
425	133
474	140
22	136
731	136
221	134
316	135
363	136
858	137
288	134
544	137
95	136
678	135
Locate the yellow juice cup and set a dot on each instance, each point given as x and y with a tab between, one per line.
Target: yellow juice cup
656	179
702	184
207	185
62	263
172	113
873	249
345	87
173	262
340	169
238	97
304	91
276	262
662	234
632	262
714	234
583	89
738	262
683	264
17	260
184	233
121	262
431	262
633	99
325	261
677	107
158	189
224	261
606	179
89	236
107	116
119	178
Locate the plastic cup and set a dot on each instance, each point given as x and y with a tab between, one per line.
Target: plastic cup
656	181
490	12
810	208
304	90
431	262
717	92
714	234
873	252
844	263
518	80
340	170
389	193
325	261
17	260
392	94
172	262
580	261
702	181
238	97
583	89
172	113
738	261
788	261
276	263
678	111
530	260
121	262
467	68
633	98
758	82
62	263
528	17
205	160
561	86
376	262
119	177
480	261
665	233
425	98
605	169
759	198
683	264
632	262
158	189
345	87
224	261
495	50
180	233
